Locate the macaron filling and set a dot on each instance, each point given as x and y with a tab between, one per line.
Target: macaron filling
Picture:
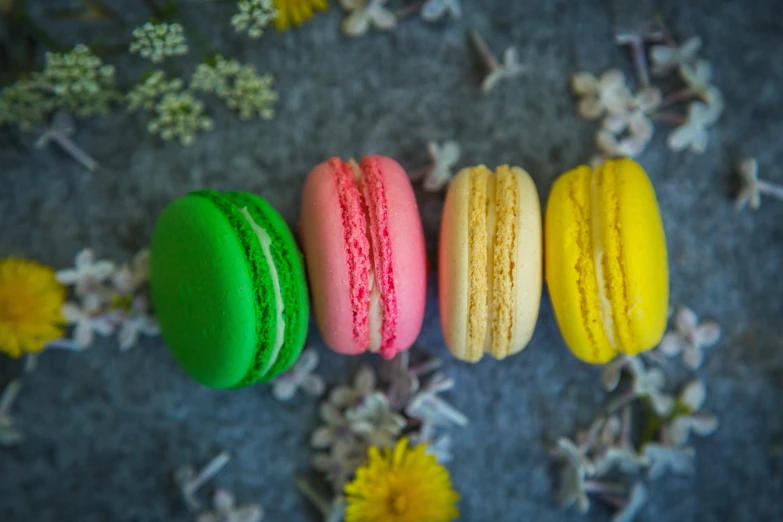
266	246
368	254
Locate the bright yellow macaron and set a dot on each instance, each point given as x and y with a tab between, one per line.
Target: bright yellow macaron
490	262
605	260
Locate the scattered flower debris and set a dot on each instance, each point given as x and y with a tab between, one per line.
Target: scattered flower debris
156	42
438	175
189	481
300	376
253	17
643	430
375	412
9	434
111	300
510	68
689	338
366	13
752	187
225	510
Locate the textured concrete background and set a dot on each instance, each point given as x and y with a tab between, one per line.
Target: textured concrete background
105	430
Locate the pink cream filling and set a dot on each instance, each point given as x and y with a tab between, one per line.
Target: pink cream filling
368	243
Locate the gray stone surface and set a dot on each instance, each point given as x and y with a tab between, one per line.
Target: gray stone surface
105	429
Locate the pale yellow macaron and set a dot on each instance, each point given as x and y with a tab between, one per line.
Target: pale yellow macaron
490	262
606	264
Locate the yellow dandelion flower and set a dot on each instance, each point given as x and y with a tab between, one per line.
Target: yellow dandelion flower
401	485
31	300
296	12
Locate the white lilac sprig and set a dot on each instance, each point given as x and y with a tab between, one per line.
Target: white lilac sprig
156	42
752	188
443	159
691	418
364	14
9	434
496	72
689	338
226	510
300	376
110	300
189	481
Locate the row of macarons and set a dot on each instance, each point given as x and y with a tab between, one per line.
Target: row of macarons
232	290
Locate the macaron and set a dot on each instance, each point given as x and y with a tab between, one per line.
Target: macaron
490	258
229	289
364	246
606	264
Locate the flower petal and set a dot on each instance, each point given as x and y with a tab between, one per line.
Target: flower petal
678	430
82	334
83	259
694	394
590	108
692	357
223	501
681	137
707	334
584	83
636	500
322	437
672	344
313	385
433	10
68	276
686	321
284	388
383	18
101	270
704	424
72	313
364	382
356	24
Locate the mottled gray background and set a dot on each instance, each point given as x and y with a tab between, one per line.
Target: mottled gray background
105	429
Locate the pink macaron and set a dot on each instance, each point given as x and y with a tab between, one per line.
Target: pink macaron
364	250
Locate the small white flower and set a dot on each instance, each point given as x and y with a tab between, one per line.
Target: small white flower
701	423
366	13
375	421
609	94
227	511
665	58
335	430
87	274
437	445
9	435
663	458
350	396
428	407
438	175
299	376
693	133
510	68
135	322
636	500
128	279
639	133
649	383
87	322
189	481
697	77
753	187
434	10
577	468
340	463
689	338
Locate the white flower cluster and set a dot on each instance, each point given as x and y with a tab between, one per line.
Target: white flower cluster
627	124
147	93
77	81
156	42
610	449
239	86
179	115
361	415
111	299
253	17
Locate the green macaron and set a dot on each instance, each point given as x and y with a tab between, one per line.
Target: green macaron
228	286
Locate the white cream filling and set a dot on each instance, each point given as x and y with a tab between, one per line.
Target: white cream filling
266	247
604	304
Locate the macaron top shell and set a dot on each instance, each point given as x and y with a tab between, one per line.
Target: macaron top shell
490	262
216	294
365	255
606	261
